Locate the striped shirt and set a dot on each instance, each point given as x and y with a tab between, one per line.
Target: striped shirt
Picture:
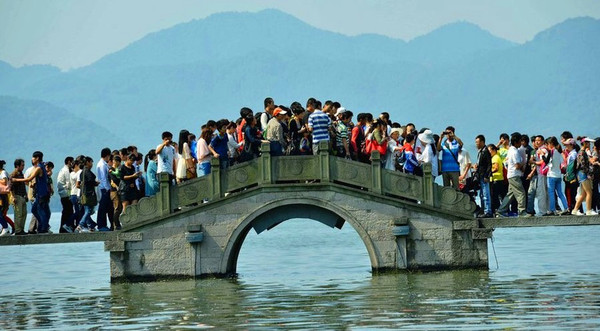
342	133
319	122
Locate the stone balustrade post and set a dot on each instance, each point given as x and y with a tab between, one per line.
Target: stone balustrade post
376	172
265	172
215	178
323	154
428	184
163	198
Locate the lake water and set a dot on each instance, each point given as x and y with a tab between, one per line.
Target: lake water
304	275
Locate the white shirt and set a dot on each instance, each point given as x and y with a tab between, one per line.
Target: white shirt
427	156
392	155
73	178
463	159
232	146
512	159
166	158
63	184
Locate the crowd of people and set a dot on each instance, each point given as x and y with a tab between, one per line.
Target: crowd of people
510	178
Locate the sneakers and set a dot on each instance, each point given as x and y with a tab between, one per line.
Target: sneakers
499	214
103	229
565	212
525	214
67	228
577	213
5	232
550	213
81	229
591	213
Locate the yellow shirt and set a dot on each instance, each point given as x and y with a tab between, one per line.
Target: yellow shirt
497	176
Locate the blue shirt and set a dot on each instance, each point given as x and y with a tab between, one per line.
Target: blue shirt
449	163
102	170
319	122
219	144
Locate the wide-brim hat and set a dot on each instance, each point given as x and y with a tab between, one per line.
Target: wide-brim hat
426	137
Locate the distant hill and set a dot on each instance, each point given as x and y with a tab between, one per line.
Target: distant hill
206	69
37	125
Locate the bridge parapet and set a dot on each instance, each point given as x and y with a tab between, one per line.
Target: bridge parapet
324	168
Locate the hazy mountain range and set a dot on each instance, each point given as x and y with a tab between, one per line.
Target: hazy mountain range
206	69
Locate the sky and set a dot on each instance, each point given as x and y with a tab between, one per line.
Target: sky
74	33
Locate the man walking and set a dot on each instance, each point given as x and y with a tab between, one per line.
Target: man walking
63	184
483	173
514	173
105	207
318	125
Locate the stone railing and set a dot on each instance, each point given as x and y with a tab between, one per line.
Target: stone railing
324	168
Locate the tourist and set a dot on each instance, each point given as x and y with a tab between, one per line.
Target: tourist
252	140
342	143
41	188
115	180
554	159
105	207
450	145
583	177
429	153
465	183
497	187
218	144
538	183
4	191
89	199
569	168
150	169
63	186
483	172
204	153
19	197
393	149
186	169
75	192
166	156
514	162
233	146
128	192
275	134
595	161
267	115
411	165
296	128
318	125
357	139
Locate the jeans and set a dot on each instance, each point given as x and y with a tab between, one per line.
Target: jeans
41	211
204	168
86	220
555	185
105	209
77	211
486	198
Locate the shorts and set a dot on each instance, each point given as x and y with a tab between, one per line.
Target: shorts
581	176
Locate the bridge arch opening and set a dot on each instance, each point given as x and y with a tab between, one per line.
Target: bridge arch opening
308	211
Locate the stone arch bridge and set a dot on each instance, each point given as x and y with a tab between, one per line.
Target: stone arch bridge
405	222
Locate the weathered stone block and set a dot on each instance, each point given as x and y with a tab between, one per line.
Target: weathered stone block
464	225
480	234
130	236
114	246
